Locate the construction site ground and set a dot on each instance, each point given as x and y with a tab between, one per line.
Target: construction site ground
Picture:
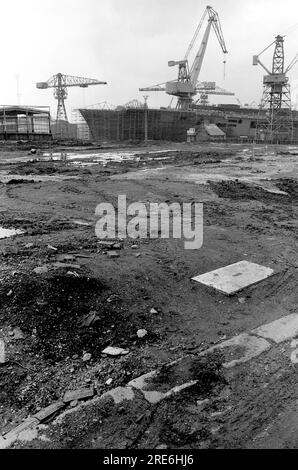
250	213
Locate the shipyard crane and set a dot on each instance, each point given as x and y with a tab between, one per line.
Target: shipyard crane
187	85
275	122
60	83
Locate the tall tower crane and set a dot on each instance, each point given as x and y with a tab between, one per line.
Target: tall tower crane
275	122
187	85
60	83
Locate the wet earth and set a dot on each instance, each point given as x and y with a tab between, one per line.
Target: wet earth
62	296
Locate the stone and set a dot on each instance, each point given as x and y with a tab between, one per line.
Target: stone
49	411
79	394
294	357
86	357
142	333
117	246
112	351
106	244
113	254
294	343
153	311
284	329
109	382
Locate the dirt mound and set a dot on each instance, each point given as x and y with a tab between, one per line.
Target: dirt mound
238	190
46	168
288	185
51	310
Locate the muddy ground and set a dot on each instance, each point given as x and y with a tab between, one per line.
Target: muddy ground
81	301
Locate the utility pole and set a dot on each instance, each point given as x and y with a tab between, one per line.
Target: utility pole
146	117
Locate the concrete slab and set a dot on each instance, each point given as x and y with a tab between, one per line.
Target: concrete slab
120	394
280	330
252	347
235	277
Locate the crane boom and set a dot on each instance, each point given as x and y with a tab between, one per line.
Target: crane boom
214	22
195	35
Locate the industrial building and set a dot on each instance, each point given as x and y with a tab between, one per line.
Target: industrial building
25	123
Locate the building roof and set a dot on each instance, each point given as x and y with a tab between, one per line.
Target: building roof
24	109
213	130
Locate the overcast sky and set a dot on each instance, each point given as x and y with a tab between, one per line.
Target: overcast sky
128	44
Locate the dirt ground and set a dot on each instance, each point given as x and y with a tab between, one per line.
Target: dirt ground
82	301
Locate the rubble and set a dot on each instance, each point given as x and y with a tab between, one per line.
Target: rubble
112	351
49	411
79	394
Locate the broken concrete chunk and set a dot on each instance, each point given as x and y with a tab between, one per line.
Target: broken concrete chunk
18	334
59	265
29	245
2	352
89	319
41	270
113	254
49	411
27	424
283	329
52	248
66	257
111	351
79	394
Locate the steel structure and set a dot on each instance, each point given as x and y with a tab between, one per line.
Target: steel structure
60	83
186	87
275	122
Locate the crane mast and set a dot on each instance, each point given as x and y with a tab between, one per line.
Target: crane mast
60	83
275	121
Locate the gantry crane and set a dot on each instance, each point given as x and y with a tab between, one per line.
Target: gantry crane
275	122
60	83
187	85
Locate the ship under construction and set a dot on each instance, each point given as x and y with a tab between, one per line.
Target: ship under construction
129	124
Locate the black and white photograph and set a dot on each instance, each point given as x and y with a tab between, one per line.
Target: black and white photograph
148	230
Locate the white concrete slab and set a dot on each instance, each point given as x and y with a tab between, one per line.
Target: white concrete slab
235	277
280	330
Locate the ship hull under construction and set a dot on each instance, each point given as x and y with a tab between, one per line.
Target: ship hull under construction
171	125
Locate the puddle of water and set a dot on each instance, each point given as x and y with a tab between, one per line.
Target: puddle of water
9	232
5	177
